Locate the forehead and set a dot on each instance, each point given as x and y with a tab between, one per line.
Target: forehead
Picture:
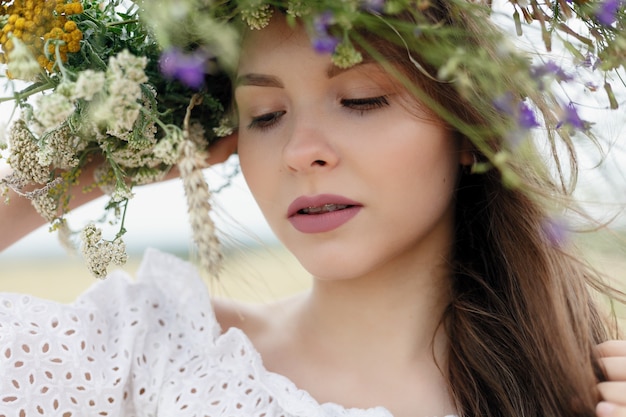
274	41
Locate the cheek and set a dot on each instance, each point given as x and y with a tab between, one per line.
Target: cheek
421	171
248	163
258	168
424	152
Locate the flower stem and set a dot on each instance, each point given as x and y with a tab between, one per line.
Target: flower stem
121	22
24	94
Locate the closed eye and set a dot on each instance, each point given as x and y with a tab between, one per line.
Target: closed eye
364	104
265	121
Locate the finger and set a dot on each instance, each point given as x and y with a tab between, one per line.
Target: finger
607	409
222	149
614	367
614	392
612	348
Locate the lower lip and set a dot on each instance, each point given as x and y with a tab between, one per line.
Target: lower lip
324	222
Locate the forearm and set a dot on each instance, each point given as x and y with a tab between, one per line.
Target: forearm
18	218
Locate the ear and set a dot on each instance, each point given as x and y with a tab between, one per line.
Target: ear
467	152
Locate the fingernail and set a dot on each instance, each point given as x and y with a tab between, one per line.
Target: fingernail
604	409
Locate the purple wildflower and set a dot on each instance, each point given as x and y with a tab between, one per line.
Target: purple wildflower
526	117
322	21
587	62
591	86
556	230
375	6
189	69
596	64
325	44
551	69
523	114
606	12
504	104
322	41
571	118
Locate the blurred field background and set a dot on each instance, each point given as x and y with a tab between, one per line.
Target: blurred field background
256	267
251	273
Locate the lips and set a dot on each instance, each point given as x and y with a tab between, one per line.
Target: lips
321	213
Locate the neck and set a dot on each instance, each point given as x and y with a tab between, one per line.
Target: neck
393	313
368	341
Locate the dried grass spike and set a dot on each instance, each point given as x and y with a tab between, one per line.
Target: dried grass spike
198	199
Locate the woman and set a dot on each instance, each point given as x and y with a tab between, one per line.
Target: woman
435	292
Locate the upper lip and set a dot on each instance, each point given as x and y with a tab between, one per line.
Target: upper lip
318	201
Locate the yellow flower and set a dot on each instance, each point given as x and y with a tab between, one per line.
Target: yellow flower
36	21
70	26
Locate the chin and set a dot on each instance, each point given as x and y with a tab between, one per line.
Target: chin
325	269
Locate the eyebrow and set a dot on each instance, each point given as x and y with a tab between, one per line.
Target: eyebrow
263	80
258	80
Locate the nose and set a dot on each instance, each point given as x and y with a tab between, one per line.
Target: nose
309	148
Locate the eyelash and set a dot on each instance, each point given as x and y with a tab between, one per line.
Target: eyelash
361	105
265	121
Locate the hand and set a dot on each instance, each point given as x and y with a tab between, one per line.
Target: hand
613	391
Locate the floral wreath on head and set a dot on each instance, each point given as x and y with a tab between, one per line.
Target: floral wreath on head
143	86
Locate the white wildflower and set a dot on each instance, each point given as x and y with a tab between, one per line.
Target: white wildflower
169	149
52	110
298	8
105	178
147	175
123	106
4	190
99	254
22	64
129	157
23	158
121	193
64	147
128	66
66	88
44	155
150	132
60	148
148	98
225	128
346	56
256	14
88	84
45	205
117	112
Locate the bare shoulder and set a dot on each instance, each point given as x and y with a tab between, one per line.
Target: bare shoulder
256	320
231	313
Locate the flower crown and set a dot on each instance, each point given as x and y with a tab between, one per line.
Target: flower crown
143	85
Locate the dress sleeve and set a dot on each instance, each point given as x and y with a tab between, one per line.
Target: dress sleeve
110	352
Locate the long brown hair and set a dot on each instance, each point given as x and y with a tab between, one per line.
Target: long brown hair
522	323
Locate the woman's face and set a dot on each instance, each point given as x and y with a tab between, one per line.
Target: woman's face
350	178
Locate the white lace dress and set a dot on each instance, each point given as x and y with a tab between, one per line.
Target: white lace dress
147	348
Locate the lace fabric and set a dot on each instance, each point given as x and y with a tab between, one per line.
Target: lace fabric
147	348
